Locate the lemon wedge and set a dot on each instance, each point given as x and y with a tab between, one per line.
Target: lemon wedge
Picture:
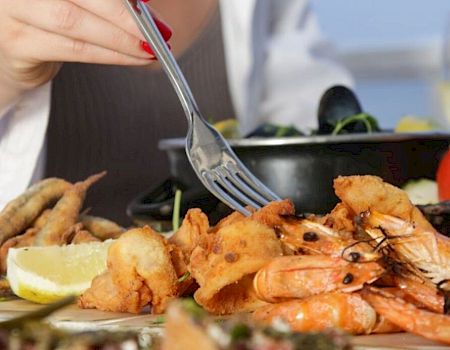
46	274
414	124
229	128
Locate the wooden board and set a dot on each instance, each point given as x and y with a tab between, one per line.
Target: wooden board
77	319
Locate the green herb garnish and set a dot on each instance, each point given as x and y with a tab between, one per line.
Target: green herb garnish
369	122
184	277
240	332
176	210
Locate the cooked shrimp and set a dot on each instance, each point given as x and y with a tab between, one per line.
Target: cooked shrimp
407	316
419	291
22	211
425	252
315	238
300	276
65	213
346	311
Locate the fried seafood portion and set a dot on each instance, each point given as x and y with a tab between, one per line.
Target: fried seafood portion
192	232
65	213
300	276
22	211
371	193
345	311
140	272
224	267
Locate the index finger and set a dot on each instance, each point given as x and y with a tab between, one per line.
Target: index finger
113	11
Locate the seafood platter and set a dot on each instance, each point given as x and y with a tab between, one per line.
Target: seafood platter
372	273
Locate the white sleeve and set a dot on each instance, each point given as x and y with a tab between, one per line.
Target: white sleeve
299	66
22	136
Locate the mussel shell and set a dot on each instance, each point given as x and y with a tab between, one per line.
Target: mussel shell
337	103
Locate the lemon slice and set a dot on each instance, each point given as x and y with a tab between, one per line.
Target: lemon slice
414	124
229	128
46	274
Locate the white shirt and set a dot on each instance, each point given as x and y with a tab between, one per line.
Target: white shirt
278	66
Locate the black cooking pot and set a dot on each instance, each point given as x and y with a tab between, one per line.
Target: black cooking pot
299	168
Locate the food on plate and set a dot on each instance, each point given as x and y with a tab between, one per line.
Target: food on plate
423	251
140	272
49	213
46	274
301	276
101	228
22	211
410	318
65	213
443	177
188	327
370	193
345	311
373	256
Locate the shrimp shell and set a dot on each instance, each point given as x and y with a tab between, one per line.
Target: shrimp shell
300	276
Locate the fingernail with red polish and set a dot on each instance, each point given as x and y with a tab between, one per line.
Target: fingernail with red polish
146	47
164	29
145	0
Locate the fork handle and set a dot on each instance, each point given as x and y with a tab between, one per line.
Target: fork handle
151	33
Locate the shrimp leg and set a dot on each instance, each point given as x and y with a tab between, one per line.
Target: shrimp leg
65	213
22	211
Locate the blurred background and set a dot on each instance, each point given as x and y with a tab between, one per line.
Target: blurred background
395	49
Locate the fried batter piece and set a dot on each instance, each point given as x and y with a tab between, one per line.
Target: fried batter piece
225	265
194	228
101	228
140	271
25	240
65	213
18	214
362	193
83	236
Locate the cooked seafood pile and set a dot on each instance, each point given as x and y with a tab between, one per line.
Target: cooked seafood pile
374	264
48	213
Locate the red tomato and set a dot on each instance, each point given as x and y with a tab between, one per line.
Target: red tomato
443	177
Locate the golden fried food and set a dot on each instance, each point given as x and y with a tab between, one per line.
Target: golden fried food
224	268
194	228
41	219
19	214
65	213
101	228
83	236
140	271
105	295
24	240
362	193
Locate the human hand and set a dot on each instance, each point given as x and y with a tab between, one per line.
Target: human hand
37	36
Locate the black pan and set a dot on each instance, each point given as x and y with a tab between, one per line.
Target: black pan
299	168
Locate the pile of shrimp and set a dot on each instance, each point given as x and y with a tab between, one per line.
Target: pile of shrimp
374	264
49	213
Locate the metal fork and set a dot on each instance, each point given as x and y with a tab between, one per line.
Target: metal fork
214	162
